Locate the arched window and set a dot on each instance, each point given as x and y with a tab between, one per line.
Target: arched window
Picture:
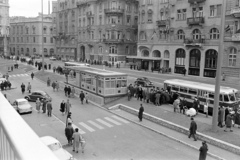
145	53
195	57
45	51
232	59
51	30
34	50
143	16
27	50
45	30
142	35
156	53
33	30
180	57
196	34
150	14
26	29
166	54
214	33
181	34
211	59
22	50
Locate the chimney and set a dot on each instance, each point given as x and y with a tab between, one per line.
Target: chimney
48	7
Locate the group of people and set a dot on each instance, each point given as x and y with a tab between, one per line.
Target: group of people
69	91
23	88
55	84
5	84
46	105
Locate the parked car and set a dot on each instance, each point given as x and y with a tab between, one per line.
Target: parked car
52	58
64	60
143	81
56	147
37	94
22	106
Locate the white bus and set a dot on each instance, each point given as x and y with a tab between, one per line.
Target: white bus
189	89
76	64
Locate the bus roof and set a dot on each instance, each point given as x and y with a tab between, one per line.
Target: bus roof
76	63
199	85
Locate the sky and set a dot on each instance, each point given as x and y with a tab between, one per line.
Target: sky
27	8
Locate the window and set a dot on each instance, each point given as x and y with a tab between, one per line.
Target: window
145	53
181	34
100	49
33	30
127	50
149	2
183	89
142	35
214	33
100	34
150	14
100	20
34	39
91	35
195	56
22	39
232	59
175	88
27	40
44	39
51	40
237	3
181	14
200	12
143	2
100	7
180	57
166	54
44	30
196	34
162	15
211	59
128	20
192	91
128	7
80	24
26	30
113	50
156	53
215	10
212	11
135	20
143	17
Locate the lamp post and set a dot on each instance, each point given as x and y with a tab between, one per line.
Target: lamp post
218	75
42	42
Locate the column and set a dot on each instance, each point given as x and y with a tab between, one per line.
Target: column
187	57
202	63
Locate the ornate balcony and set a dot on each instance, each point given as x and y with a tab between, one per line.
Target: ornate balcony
235	12
195	21
236	37
113	11
90	14
189	42
196	1
162	23
113	41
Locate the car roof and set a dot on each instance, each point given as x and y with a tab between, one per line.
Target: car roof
40	92
21	100
47	140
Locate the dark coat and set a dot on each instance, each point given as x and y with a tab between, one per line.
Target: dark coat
81	96
23	87
193	127
140	113
203	152
226	113
62	107
229	121
69	131
49	106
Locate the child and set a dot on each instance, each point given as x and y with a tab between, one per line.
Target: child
86	98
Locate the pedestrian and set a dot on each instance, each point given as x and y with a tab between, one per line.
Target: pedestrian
140	113
69	118
44	103
140	93
29	87
69	92
176	104
77	140
32	75
81	96
53	86
49	108
157	99
184	71
193	129
67	107
226	113
221	116
65	90
237	117
38	105
23	88
129	94
48	82
6	76
203	151
183	105
69	133
62	107
229	122
57	85
196	104
205	109
73	92
86	97
223	76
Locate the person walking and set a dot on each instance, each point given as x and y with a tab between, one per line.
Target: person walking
157	99
69	118
183	105
69	92
203	151
62	107
53	86
176	104
29	87
48	82
229	122
68	107
69	133
23	88
86	97
49	108
193	129
32	75
140	113
44	103
184	71
221	117
81	96
65	90
38	105
77	140
57	85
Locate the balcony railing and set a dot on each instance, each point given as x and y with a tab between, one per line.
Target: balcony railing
196	1
193	42
162	23
90	14
236	37
235	12
114	11
195	21
112	40
15	142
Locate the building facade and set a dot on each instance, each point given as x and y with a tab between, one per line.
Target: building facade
26	36
104	30
179	34
4	27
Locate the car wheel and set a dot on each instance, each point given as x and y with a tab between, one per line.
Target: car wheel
27	98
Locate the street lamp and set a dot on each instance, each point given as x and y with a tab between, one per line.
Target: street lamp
42	42
218	75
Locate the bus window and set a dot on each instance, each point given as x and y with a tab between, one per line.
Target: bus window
192	91
232	97
211	95
183	89
226	99
220	97
175	88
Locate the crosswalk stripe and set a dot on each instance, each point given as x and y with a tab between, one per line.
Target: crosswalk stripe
10	75
86	126
120	119
18	75
14	75
105	123
22	74
26	74
80	131
95	124
113	121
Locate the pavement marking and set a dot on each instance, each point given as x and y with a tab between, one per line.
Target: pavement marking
26	74
18	75
120	119
86	126
14	75
79	130
105	123
95	124
22	75
113	121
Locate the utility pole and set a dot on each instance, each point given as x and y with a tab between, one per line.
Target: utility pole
219	69
42	42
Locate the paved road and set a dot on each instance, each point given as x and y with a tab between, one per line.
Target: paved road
107	136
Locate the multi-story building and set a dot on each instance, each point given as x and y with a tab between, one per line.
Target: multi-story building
105	30
4	27
181	34
26	35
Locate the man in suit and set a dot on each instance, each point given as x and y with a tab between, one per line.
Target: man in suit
193	129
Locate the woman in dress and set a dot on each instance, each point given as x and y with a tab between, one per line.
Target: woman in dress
38	105
62	107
